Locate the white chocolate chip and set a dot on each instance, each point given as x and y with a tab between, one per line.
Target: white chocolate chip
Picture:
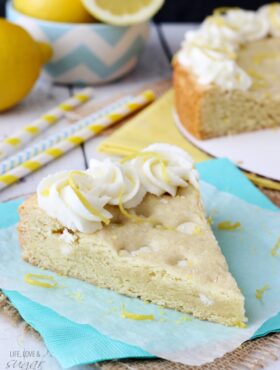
189	228
205	300
141	250
66	249
182	263
68	237
124	253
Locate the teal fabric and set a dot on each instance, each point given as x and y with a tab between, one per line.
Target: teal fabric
225	176
71	343
74	344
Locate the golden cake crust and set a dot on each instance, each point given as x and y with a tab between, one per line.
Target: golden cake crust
188	99
209	111
179	269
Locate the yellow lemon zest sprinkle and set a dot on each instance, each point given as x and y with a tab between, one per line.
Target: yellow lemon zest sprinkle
34	279
224	9
220	21
139	155
274	250
135	316
45	192
131	216
165	227
260	292
255	74
197	230
82	199
139	219
210	220
261	57
241	325
228	225
208	49
150	155
272	13
62	185
131	180
183	319
77	296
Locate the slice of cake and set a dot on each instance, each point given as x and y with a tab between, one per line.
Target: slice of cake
227	73
137	227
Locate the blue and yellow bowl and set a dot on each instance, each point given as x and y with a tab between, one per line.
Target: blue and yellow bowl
90	53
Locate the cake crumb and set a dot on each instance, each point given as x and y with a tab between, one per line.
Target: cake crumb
205	300
228	225
260	292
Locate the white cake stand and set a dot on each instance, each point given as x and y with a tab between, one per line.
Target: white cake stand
257	152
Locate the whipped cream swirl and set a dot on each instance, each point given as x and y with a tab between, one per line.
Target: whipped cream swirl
112	179
163	168
78	199
211	51
271	13
73	208
212	59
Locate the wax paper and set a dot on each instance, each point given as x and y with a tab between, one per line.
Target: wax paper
171	335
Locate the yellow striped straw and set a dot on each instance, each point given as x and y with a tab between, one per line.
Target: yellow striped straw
78	138
33	129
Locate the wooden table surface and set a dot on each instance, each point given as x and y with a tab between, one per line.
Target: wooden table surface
154	65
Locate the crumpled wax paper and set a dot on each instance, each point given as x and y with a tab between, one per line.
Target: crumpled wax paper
172	335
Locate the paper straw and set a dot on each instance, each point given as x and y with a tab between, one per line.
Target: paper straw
78	138
42	145
29	132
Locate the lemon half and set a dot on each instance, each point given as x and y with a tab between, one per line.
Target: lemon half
123	12
69	11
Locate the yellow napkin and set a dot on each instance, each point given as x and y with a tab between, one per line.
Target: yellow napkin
156	124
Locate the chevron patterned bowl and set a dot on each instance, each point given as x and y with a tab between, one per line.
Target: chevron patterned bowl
90	53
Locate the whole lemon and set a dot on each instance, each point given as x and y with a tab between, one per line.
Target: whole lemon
21	59
71	11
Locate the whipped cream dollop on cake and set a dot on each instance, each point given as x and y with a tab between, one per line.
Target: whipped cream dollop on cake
78	199
211	50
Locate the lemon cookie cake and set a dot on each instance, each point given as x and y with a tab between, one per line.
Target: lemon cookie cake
137	227
227	73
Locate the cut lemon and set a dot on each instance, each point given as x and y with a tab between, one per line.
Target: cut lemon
54	10
123	12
